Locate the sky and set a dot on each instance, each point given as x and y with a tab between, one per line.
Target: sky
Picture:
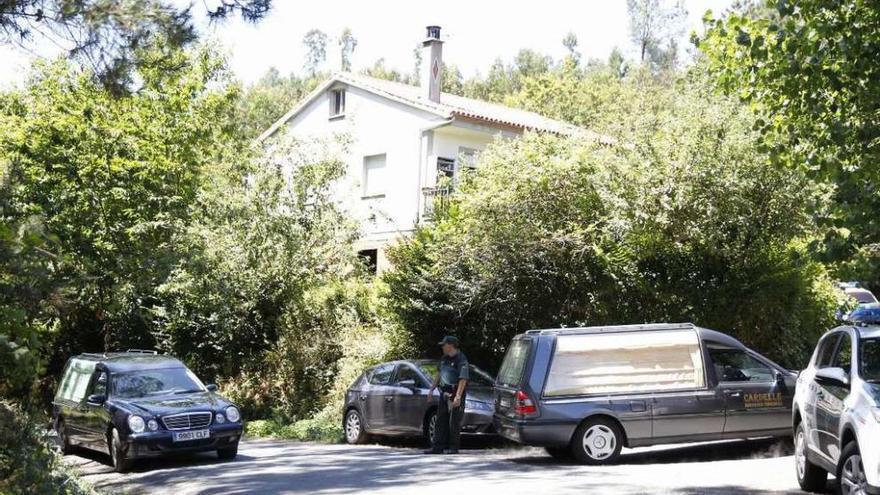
476	32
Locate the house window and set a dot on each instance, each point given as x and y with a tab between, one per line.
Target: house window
370	259
467	159
337	103
374	176
445	168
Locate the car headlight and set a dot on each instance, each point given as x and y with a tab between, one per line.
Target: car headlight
232	414
220	418
136	424
152	425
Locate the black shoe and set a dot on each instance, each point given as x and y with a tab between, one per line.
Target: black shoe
432	451
451	451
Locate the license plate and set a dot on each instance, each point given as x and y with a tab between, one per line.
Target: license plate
505	402
184	436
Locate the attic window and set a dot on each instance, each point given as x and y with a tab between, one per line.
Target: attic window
337	103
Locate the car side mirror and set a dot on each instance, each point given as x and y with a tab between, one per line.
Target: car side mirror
211	387
96	399
832	377
407	383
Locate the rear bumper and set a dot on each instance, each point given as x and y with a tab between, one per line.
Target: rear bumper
158	443
534	431
477	422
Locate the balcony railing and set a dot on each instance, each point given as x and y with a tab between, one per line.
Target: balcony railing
435	198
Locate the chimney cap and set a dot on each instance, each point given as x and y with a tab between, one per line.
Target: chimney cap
433	32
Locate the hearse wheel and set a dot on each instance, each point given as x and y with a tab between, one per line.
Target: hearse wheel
228	453
597	441
354	428
810	477
121	462
61	429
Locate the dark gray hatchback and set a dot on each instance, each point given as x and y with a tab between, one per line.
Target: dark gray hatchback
588	392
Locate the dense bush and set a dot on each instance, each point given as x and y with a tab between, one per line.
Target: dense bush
684	221
28	465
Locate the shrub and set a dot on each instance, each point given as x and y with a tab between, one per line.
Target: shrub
27	463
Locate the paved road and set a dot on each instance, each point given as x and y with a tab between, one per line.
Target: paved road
281	467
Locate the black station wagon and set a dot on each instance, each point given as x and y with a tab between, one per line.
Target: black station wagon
139	404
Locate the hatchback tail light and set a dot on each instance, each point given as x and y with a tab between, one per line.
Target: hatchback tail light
524	405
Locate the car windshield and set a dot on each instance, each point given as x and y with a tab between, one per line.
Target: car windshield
869	362
154	382
478	377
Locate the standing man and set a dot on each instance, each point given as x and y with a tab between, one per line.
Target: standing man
452	382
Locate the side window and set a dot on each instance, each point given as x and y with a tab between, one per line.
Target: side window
76	381
843	358
826	350
100	387
736	365
381	375
407	373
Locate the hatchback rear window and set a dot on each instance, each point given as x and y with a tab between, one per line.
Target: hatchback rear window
514	363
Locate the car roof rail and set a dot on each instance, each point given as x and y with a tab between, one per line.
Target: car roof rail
98	355
142	351
612	329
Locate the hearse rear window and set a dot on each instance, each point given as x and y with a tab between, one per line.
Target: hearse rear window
76	380
514	363
626	362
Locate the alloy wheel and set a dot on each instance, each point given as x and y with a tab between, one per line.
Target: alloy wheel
800	454
852	477
432	427
599	442
352	427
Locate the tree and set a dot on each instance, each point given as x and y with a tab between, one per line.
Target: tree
315	42
270	98
653	23
110	179
806	69
570	42
105	35
683	222
347	44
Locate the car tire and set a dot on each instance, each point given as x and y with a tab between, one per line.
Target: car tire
562	454
597	441
810	477
63	438
353	428
118	455
430	427
228	453
851	473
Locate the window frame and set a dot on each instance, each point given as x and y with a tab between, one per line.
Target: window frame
366	191
391	376
719	380
826	340
337	103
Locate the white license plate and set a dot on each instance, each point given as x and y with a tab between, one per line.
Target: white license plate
184	436
505	402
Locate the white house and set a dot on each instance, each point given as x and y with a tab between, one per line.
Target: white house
404	139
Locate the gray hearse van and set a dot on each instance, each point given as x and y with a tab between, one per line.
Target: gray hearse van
588	392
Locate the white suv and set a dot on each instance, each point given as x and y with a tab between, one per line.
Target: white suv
836	413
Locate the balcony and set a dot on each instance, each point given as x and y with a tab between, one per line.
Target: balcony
434	200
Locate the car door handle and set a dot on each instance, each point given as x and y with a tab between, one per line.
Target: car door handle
734	393
389	398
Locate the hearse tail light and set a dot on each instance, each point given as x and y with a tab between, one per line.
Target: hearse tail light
524	405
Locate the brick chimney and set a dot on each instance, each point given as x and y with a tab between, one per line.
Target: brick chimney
432	64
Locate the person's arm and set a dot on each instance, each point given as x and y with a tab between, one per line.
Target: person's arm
433	386
463	377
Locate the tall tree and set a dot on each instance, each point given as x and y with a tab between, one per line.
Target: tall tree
315	42
570	42
105	35
654	26
347	44
809	70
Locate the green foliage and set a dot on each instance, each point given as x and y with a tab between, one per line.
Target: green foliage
807	69
28	465
269	99
684	221
94	188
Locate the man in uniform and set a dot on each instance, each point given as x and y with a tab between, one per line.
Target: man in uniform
452	382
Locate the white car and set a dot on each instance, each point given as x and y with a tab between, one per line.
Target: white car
836	412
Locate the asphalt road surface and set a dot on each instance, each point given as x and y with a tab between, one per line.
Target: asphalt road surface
282	467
